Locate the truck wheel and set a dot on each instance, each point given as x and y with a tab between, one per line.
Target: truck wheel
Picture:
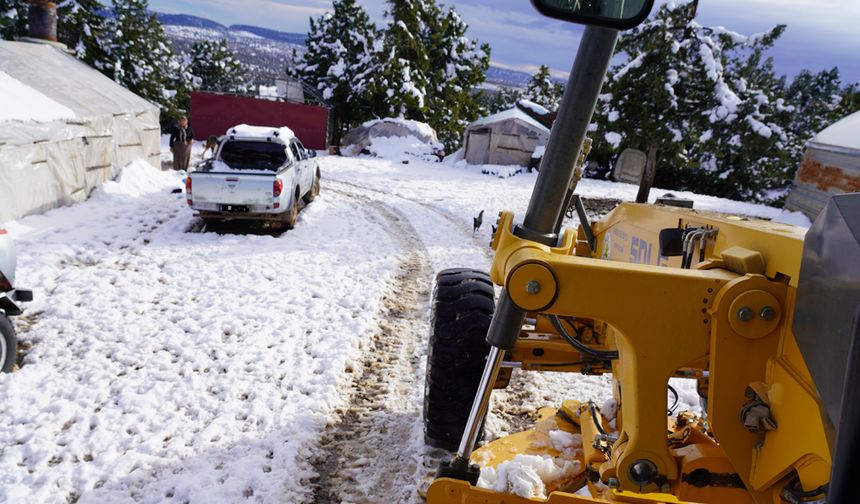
292	216
463	305
8	345
315	190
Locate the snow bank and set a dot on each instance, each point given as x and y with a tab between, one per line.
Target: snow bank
137	179
23	103
402	149
500	171
793	218
422	129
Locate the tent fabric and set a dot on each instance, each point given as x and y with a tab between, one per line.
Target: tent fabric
359	138
506	138
48	164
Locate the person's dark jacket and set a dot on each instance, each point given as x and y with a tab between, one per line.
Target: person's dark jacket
174	134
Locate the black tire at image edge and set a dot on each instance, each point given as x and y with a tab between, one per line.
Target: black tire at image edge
7	332
462	308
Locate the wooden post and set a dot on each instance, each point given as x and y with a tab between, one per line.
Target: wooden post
648	175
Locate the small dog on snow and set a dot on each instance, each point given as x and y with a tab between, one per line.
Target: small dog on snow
211	144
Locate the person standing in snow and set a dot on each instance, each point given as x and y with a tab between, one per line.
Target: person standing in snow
181	139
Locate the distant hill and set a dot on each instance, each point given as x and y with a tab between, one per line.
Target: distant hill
290	38
265	49
189	20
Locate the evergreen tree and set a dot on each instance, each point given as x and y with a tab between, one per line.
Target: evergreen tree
704	104
82	28
404	79
342	61
501	99
214	67
457	66
142	59
817	101
431	68
13	19
543	90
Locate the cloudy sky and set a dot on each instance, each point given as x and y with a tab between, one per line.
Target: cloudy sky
821	34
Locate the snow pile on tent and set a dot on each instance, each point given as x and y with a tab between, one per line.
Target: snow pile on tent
23	103
64	129
396	139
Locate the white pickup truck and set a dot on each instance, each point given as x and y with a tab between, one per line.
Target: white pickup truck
257	173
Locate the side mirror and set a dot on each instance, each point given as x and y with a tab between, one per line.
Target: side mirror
312	153
616	14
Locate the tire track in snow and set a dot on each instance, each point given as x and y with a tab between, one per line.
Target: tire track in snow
445	214
372	451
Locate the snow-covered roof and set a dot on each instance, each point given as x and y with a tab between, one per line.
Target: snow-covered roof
513	113
23	103
534	107
66	81
281	135
844	135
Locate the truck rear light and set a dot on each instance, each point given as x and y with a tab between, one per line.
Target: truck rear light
3	231
188	190
277	189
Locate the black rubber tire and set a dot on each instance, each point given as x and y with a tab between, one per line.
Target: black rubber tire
291	218
8	345
463	305
315	189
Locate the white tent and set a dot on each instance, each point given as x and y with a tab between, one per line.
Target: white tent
64	129
830	165
360	138
506	138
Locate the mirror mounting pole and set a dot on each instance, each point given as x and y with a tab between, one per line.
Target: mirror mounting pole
547	202
568	132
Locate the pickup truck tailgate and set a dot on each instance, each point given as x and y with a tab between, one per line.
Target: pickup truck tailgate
232	189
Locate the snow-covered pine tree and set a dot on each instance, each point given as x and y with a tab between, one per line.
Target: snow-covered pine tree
819	100
342	61
214	67
81	26
142	59
431	68
404	77
543	90
703	102
746	144
500	99
457	65
13	19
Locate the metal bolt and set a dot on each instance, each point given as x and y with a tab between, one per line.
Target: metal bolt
533	287
767	313
745	314
612	482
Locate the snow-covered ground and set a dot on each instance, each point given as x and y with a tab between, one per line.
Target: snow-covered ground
168	365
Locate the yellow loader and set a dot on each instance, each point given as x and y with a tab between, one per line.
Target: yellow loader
764	316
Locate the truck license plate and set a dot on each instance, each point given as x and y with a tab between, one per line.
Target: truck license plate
235	208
